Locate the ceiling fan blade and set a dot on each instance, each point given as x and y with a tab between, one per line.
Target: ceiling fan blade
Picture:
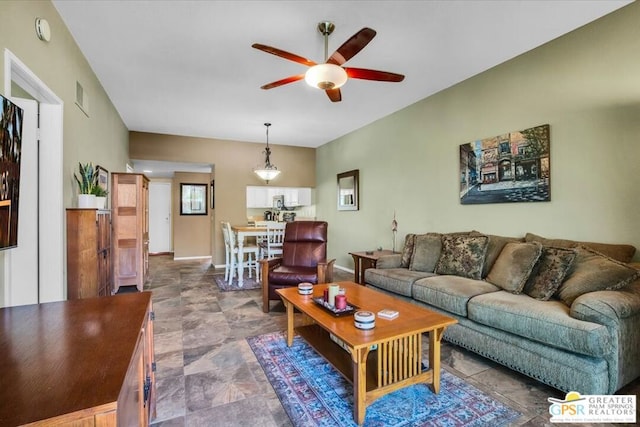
351	47
283	54
282	82
381	76
334	95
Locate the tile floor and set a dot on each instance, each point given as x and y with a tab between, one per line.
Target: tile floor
208	376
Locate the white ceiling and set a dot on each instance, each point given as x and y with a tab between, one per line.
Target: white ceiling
160	169
188	68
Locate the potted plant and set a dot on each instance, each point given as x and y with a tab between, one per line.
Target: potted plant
101	196
87	182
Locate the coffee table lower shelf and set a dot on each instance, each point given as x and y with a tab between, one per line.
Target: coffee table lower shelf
395	364
319	339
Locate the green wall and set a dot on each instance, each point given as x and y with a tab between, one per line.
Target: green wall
585	85
102	137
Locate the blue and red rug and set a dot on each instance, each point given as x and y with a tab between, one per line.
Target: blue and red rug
313	393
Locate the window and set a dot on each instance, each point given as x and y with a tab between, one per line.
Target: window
193	199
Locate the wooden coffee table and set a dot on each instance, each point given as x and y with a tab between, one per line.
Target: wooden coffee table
396	363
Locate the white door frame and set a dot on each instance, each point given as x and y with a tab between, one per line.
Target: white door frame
156	218
51	211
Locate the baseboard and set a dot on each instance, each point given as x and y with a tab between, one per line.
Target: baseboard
339	267
183	258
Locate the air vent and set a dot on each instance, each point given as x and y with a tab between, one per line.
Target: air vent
82	99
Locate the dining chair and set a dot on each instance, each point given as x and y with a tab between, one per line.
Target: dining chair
231	254
272	247
260	240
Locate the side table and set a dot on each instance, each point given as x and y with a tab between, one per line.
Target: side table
364	260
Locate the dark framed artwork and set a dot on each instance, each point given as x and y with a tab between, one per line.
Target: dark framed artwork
103	178
193	199
11	117
509	168
212	196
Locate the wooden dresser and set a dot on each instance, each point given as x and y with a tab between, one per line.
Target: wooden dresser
88	253
130	220
69	364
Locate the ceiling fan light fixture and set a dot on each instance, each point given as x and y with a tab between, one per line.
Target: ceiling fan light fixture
268	171
326	76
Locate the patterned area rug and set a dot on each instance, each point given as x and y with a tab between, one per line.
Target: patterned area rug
314	394
248	283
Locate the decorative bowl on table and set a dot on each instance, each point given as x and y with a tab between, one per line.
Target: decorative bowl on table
364	320
305	288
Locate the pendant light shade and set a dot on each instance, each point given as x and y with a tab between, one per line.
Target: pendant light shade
268	171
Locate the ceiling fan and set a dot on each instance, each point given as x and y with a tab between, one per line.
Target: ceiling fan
331	75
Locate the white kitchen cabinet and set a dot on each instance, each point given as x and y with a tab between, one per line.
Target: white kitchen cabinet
257	197
262	196
304	196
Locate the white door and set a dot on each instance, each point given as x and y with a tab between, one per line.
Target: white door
34	272
22	271
160	217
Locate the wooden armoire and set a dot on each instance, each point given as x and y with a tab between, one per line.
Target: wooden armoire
130	221
88	253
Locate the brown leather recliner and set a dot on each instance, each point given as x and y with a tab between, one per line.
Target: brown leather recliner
304	259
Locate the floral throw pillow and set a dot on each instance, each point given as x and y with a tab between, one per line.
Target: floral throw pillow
553	266
462	255
407	251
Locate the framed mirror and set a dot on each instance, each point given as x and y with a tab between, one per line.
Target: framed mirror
348	190
193	199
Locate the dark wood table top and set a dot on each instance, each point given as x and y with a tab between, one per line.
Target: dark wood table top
61	357
373	255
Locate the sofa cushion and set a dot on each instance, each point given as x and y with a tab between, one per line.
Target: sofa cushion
593	271
407	250
426	252
514	265
551	269
450	293
462	255
622	253
389	261
396	280
547	322
494	247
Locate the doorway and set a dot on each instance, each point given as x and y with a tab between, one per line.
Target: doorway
42	253
160	217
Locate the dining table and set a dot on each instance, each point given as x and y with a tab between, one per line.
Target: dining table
241	232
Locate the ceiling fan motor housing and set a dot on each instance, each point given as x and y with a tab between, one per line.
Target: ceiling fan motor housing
326	28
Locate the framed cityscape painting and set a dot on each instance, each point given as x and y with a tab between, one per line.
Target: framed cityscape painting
508	168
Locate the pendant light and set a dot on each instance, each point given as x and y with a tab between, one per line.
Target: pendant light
268	171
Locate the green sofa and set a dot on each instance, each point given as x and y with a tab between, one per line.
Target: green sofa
566	313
